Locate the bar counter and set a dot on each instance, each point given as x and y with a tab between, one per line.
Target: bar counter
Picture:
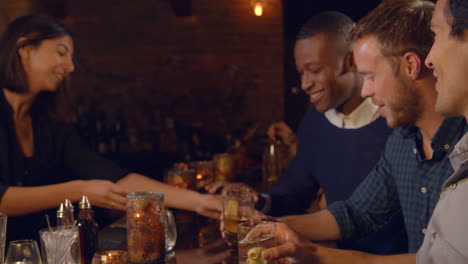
198	240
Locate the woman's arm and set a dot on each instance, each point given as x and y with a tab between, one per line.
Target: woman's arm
25	200
204	204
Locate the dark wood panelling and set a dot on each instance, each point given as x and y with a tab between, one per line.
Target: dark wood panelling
221	65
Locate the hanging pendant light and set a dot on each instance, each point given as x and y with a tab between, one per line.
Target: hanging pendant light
258	6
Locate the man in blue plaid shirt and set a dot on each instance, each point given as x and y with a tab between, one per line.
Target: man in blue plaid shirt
391	44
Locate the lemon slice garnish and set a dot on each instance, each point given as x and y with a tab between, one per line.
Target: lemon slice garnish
232	208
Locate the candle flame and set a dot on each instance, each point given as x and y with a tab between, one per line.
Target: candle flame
199	176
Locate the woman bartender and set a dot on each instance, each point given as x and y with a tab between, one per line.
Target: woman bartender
36	56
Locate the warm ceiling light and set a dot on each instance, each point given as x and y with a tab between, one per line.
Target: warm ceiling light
258	6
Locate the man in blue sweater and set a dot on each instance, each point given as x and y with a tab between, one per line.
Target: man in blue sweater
340	140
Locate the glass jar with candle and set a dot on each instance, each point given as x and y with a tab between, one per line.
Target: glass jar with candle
181	178
110	257
205	173
145	227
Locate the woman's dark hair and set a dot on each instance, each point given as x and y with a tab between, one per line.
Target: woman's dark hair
35	29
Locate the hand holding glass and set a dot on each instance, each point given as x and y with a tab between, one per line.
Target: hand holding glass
250	247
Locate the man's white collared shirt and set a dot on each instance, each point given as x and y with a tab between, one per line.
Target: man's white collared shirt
363	115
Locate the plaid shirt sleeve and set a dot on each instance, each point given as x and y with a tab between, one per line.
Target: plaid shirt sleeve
371	204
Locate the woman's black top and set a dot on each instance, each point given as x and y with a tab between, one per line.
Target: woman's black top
59	156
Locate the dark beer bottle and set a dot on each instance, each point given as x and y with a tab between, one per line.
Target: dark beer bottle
88	230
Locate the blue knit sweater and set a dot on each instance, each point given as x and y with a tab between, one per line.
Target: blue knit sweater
337	160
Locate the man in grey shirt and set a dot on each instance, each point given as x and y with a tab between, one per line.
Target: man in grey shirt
446	239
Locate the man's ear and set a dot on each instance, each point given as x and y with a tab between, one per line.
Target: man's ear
412	65
348	64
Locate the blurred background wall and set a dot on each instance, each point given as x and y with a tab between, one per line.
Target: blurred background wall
171	76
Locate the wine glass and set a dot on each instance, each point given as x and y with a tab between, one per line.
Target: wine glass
23	252
170	230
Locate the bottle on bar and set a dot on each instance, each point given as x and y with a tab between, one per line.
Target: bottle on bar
61	215
69	213
272	167
88	230
66	214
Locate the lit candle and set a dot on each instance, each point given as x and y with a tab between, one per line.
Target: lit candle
145	227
